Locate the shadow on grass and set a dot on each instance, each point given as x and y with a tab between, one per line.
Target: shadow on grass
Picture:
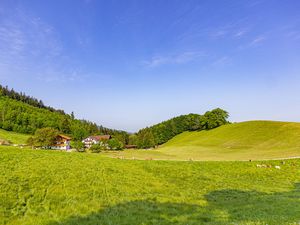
223	207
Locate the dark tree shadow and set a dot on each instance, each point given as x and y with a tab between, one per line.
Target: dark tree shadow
254	206
136	213
224	207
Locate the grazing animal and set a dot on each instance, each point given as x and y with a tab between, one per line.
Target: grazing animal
277	167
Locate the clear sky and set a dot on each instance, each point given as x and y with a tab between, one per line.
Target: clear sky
129	64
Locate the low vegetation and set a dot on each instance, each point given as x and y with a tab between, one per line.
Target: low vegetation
58	188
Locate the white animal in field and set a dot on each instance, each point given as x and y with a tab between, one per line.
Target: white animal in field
277	167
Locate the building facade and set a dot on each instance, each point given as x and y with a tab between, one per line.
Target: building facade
62	142
92	140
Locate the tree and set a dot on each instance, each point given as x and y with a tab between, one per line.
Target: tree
215	118
72	116
96	148
65	126
133	139
45	137
78	145
123	137
115	144
146	139
78	132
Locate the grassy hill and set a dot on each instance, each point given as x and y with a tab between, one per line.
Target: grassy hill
57	188
15	138
238	141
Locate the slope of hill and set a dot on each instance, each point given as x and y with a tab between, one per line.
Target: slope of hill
13	137
238	141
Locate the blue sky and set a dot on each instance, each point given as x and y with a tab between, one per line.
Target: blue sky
130	64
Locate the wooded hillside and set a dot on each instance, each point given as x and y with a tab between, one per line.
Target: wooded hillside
23	114
164	131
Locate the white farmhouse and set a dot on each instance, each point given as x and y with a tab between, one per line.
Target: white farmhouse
89	141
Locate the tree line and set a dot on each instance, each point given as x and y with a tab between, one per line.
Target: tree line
20	96
160	133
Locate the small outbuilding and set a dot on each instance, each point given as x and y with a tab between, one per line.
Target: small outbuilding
130	146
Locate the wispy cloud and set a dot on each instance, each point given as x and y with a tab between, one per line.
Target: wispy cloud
236	29
258	40
254	42
180	58
240	33
294	35
28	45
222	61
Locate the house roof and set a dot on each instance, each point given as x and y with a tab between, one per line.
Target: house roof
64	137
100	137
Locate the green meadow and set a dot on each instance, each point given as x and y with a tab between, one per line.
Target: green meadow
59	188
13	137
253	140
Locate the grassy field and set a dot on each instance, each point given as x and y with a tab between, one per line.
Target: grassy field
15	138
239	141
58	188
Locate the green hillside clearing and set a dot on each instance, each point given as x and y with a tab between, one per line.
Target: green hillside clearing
239	141
14	138
57	188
